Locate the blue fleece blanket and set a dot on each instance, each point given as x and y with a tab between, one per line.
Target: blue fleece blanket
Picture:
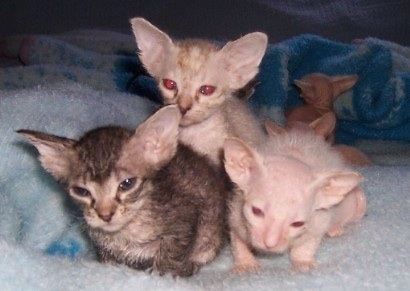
77	81
377	107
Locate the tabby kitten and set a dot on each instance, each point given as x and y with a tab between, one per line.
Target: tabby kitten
202	79
149	201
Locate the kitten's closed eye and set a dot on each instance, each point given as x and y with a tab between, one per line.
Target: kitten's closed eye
80	191
257	211
297	224
127	184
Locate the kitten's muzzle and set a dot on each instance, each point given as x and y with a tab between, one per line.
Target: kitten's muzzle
184	109
106	216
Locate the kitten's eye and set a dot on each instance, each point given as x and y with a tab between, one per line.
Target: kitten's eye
297	224
257	211
207	90
127	184
169	84
81	191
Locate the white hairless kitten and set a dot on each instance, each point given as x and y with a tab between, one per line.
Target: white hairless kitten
295	190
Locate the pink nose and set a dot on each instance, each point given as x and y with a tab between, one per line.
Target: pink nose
106	216
275	241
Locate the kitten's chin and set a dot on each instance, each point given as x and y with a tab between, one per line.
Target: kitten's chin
107	227
187	120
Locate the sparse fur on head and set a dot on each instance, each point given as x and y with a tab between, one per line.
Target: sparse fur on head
323	127
203	78
296	188
149	202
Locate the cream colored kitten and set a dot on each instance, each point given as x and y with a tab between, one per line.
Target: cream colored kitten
201	78
295	190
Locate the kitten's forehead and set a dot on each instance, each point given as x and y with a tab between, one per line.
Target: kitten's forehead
193	54
285	180
98	152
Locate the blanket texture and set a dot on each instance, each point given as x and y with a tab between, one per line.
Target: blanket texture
73	82
377	107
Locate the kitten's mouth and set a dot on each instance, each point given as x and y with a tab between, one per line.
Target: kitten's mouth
192	117
109	227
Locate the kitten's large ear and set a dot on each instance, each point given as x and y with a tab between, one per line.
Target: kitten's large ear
55	152
241	162
241	58
324	125
156	139
302	84
154	45
331	188
341	84
273	129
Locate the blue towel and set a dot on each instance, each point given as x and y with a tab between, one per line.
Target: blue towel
377	107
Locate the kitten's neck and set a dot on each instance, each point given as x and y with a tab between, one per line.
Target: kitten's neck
207	137
232	119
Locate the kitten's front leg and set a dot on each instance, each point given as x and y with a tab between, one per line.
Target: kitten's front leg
104	256
173	257
303	256
244	260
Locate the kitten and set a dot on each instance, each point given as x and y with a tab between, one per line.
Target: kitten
149	201
319	92
204	80
323	127
295	190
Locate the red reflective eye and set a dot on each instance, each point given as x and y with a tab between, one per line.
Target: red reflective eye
207	90
257	211
297	224
169	84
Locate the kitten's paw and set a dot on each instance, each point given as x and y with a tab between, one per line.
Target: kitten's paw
336	231
361	205
203	256
303	266
245	268
186	270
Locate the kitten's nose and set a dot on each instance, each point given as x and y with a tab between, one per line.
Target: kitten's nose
106	216
183	110
184	104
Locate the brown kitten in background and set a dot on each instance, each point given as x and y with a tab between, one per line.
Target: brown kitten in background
149	201
202	79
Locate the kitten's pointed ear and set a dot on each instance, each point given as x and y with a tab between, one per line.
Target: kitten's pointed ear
273	129
157	138
303	85
56	153
324	125
341	84
331	188
153	44
241	58
241	162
